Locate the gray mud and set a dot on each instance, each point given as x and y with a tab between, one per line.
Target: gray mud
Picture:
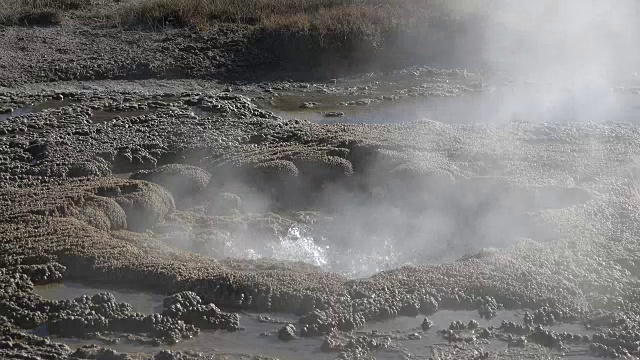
259	333
33	108
140	302
214	210
257	339
232	211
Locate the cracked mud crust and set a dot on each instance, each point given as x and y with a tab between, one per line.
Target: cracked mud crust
64	215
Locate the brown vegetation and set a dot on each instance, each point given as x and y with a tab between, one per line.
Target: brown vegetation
316	16
291	34
310	32
307	15
37	12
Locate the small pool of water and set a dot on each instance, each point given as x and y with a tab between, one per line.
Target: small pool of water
45	105
443	318
257	338
100	116
430	340
141	302
260	338
498	107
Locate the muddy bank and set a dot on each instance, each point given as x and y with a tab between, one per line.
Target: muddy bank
228	52
66	53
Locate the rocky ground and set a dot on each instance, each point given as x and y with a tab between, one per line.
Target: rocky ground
230	53
69	53
144	184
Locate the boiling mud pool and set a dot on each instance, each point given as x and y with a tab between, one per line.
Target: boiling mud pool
498	107
361	255
260	338
299	246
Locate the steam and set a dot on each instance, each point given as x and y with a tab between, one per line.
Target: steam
358	231
568	56
553	61
574	42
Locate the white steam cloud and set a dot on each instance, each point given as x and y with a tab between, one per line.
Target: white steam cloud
553	60
565	57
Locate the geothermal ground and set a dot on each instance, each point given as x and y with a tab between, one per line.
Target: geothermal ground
420	213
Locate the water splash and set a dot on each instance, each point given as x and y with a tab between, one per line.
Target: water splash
297	246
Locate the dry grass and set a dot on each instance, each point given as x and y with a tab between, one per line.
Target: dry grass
7	5
317	31
300	15
29	12
286	29
335	16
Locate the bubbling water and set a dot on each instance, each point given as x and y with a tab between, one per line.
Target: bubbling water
298	245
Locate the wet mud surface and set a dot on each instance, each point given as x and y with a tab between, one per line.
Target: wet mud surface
230	211
145	303
453	97
258	336
497	106
405	337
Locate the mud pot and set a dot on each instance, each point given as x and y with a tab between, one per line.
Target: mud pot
422	213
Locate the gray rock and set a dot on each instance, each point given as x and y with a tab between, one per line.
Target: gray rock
287	332
426	324
333	114
309	105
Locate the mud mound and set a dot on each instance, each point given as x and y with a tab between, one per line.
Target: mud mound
144	204
102	213
21	345
188	307
180	179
